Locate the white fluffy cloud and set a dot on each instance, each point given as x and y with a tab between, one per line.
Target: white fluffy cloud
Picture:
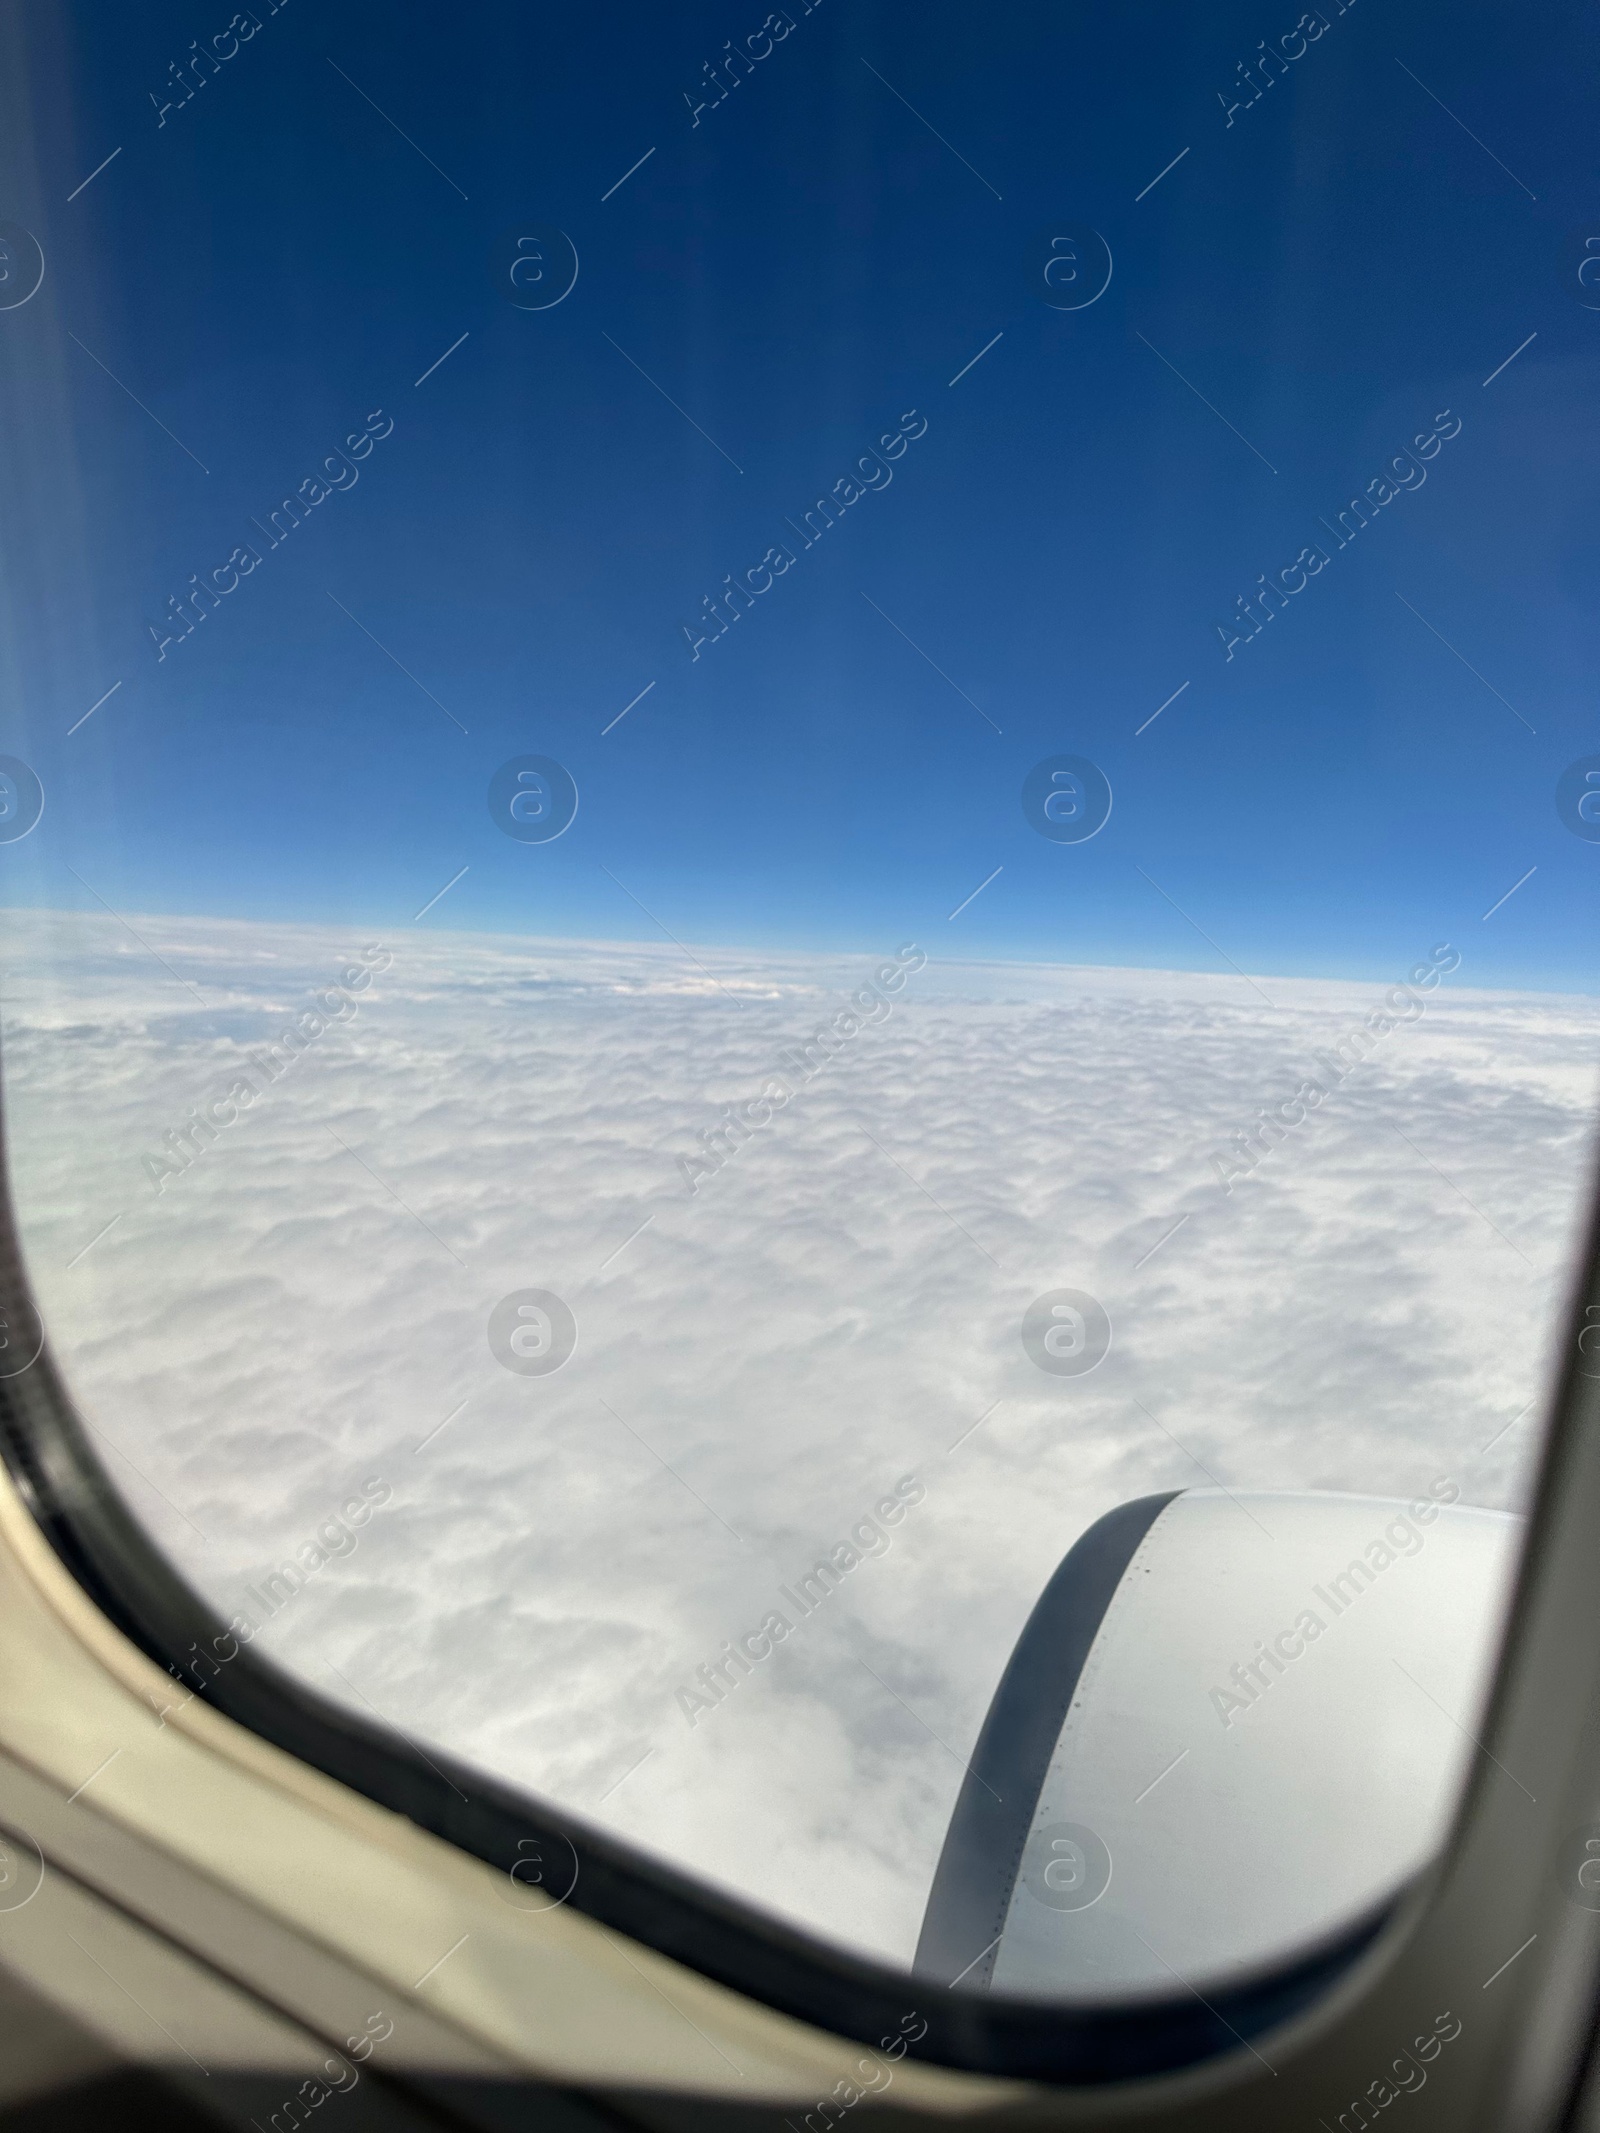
834	1309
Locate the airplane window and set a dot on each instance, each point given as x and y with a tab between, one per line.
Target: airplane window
798	829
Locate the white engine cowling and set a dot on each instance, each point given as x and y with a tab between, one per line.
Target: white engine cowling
1232	1725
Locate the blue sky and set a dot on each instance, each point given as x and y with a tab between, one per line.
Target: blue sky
798	272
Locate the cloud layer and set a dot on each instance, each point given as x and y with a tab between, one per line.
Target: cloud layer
762	1360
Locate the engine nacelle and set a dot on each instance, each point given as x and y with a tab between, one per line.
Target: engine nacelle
1232	1724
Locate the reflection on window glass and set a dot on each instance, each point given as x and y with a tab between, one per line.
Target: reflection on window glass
798	817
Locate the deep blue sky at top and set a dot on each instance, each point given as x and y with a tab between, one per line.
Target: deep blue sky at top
797	272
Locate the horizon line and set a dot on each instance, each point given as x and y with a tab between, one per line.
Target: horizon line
769	954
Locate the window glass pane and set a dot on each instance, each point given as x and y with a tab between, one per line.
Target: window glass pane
785	798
